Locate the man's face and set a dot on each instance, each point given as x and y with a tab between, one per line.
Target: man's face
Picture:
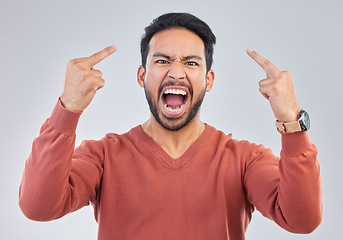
175	78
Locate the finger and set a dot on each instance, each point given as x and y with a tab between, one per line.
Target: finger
267	81
101	84
99	56
96	73
265	87
267	66
264	91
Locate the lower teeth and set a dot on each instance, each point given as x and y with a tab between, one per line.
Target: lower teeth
173	109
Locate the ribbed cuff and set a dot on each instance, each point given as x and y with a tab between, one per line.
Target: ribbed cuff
63	120
295	143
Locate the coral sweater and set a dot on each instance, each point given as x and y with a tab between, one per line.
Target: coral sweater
139	192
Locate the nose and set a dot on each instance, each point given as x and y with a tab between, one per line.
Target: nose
176	70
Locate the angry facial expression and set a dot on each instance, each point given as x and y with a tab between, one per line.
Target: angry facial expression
175	78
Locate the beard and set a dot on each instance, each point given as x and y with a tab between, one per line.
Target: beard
174	123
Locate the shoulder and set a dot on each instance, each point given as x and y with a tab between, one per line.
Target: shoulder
228	140
241	147
110	139
115	137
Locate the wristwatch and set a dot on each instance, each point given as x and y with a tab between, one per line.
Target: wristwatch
302	124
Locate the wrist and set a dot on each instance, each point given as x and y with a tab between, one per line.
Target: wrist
290	116
301	124
66	104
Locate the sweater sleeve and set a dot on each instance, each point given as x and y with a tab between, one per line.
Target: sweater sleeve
287	190
55	180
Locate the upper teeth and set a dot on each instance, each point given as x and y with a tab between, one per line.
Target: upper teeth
175	91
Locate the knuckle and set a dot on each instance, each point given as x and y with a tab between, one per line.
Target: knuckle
97	73
85	74
102	82
89	83
286	74
78	65
266	62
72	62
99	84
276	86
74	65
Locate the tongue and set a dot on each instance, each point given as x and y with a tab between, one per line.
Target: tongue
173	100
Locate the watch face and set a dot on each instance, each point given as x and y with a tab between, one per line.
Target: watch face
304	121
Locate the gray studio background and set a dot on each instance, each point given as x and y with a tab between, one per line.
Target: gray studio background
39	37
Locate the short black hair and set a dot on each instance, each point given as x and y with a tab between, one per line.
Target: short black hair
180	20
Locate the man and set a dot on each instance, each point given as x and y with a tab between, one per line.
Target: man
173	177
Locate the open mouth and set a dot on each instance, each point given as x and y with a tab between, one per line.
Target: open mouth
174	100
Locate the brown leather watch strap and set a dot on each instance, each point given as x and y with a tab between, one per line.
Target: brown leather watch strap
288	127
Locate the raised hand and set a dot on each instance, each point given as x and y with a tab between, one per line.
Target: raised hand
82	81
278	88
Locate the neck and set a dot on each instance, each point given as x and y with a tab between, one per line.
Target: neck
175	143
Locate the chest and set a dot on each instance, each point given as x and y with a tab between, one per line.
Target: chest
142	183
144	195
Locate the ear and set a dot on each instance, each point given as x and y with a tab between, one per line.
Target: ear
209	80
141	76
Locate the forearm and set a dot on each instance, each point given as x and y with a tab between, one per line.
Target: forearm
45	191
300	190
288	190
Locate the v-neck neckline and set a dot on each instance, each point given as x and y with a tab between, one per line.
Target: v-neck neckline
174	163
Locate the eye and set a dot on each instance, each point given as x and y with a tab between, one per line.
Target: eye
161	61
191	63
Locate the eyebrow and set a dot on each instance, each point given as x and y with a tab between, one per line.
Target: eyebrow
173	58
